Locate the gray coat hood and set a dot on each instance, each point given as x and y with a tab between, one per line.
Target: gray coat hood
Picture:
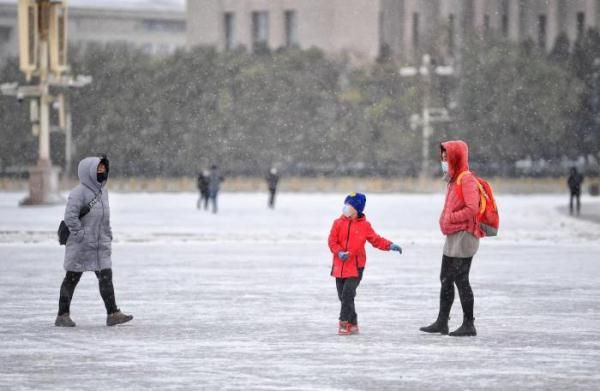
87	170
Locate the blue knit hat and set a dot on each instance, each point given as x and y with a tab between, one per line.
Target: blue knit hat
357	201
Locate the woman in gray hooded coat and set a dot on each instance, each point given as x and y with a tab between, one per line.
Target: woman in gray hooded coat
89	245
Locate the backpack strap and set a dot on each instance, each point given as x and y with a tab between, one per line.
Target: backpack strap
461	176
458	182
482	193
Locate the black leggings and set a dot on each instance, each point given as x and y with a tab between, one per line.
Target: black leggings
71	280
575	196
456	271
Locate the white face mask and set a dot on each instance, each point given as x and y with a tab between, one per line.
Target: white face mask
445	167
347	210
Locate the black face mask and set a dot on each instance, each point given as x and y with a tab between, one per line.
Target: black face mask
101	177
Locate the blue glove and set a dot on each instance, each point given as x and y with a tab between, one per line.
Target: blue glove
395	247
343	255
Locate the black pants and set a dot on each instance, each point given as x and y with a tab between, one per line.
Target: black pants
272	193
577	197
71	280
346	289
203	200
456	271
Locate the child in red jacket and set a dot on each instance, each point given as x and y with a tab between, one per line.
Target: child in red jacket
347	243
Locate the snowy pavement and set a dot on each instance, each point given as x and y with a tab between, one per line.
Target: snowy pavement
243	299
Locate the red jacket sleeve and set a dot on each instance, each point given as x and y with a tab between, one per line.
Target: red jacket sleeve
334	245
376	240
470	191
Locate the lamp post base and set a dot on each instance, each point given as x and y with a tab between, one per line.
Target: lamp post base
43	185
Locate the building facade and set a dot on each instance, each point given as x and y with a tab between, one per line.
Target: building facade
411	27
155	31
364	29
402	29
332	25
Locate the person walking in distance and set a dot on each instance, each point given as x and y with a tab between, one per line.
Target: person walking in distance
575	181
214	186
458	223
88	247
272	181
202	183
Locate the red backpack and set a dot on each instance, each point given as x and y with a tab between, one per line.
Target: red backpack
488	217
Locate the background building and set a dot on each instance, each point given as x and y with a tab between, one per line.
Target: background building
364	29
158	30
402	29
332	25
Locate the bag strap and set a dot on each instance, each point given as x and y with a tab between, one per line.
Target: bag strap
459	183
90	205
482	192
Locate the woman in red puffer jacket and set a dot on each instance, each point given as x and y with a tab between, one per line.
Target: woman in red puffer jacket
458	223
347	239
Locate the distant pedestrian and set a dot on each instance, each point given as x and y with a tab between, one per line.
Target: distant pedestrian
347	239
272	181
214	186
202	183
575	181
88	247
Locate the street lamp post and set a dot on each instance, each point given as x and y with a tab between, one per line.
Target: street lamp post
43	54
429	115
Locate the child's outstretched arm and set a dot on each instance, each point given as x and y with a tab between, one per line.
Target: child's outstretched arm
381	242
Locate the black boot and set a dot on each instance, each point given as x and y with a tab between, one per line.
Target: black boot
439	326
467	329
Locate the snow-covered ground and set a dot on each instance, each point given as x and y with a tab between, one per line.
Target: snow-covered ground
243	299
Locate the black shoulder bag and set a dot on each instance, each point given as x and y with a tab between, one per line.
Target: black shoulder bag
63	230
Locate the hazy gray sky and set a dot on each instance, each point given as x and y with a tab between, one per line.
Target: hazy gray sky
136	4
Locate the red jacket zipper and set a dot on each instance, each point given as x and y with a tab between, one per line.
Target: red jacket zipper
347	241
